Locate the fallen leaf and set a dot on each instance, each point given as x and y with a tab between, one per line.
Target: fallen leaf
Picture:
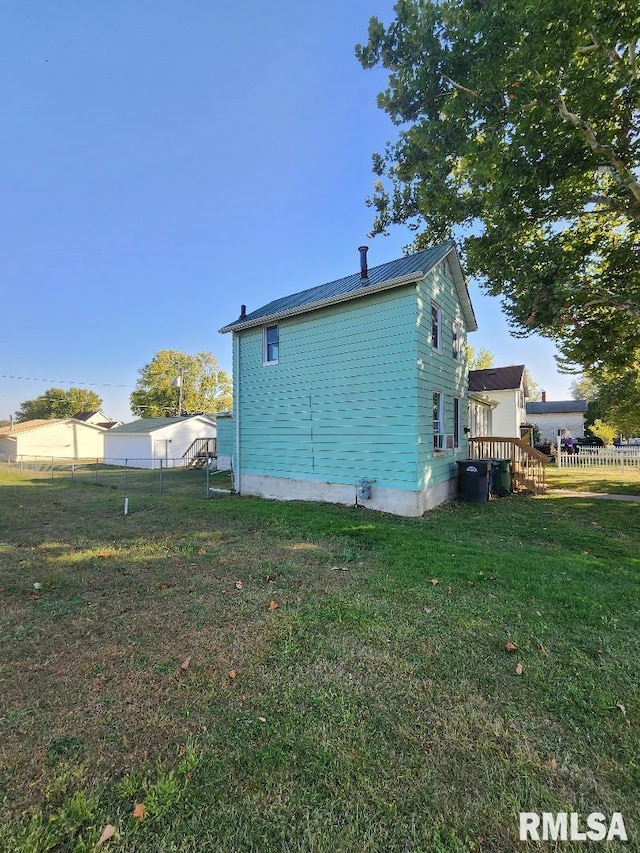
434	581
107	833
622	708
262	719
273	605
185	663
519	669
232	674
202	550
511	646
32	597
239	584
139	811
428	610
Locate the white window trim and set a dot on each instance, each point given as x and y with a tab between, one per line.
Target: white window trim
457	433
265	361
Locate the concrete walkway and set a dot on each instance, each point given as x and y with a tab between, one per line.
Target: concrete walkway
567	493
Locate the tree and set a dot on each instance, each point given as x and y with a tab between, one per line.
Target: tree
482	361
607	432
618	400
533	389
58	403
583	388
520	133
174	382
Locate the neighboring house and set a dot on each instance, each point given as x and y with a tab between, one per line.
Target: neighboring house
506	386
554	416
150	442
356	390
62	438
225	440
481	408
97	418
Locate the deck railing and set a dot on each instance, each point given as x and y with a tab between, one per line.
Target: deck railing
199	452
528	465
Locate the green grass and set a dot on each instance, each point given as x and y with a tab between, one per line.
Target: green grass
374	709
622	481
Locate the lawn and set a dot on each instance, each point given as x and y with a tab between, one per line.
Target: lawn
243	675
622	481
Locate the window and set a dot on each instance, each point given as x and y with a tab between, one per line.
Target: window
436	323
456	421
438	438
455	337
271	345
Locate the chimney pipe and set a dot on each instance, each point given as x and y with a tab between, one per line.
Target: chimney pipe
243	312
544	396
364	272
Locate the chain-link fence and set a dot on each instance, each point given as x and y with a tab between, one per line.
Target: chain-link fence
143	476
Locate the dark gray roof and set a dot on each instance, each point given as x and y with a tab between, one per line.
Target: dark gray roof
496	378
557	407
85	416
352	284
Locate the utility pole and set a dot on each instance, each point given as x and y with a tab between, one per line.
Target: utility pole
179	382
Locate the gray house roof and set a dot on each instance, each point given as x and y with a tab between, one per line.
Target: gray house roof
385	276
496	378
147	425
557	407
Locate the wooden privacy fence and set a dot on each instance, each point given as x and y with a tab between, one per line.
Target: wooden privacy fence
601	457
528	465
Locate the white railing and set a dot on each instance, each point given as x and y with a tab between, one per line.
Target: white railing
601	457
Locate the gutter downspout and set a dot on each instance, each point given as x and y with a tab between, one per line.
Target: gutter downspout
236	406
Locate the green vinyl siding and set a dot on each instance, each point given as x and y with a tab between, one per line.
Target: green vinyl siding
340	404
225	435
352	393
439	371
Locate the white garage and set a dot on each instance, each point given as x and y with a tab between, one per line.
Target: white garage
150	442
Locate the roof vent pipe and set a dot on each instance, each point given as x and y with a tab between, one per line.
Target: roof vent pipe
243	312
364	272
544	396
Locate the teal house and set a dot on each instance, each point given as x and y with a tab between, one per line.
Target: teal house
355	391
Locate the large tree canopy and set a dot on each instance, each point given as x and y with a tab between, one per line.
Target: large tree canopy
519	132
174	382
58	403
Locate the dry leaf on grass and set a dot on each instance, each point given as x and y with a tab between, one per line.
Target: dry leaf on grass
185	663
434	581
107	833
273	605
139	811
511	646
202	550
239	584
232	674
519	669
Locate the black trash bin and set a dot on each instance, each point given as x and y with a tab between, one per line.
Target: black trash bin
500	477
473	480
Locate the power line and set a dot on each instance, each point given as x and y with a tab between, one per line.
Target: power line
67	381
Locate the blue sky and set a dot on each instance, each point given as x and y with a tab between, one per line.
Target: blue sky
164	162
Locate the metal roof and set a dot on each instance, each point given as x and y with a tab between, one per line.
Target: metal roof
557	407
353	286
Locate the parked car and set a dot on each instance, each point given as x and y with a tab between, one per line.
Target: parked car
589	441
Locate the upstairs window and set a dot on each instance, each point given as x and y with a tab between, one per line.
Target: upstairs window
455	337
436	327
438	414
271	345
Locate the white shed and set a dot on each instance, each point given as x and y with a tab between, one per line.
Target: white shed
62	438
148	442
